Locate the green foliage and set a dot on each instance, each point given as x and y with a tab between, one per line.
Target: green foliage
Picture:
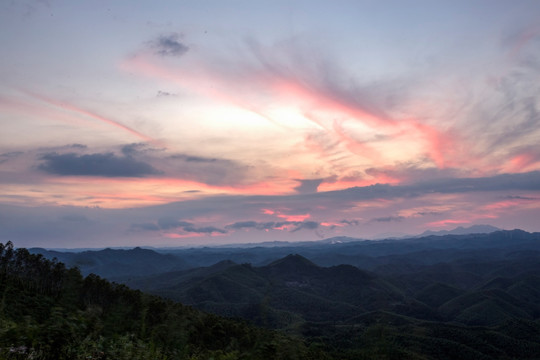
49	312
412	308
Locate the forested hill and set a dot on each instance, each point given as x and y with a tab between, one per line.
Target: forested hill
50	312
439	297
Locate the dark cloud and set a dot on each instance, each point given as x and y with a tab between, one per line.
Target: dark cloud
308	186
168	45
141	159
307	225
429	213
352	222
243	225
169	223
137	149
271	225
192	158
388	219
78	146
204	230
106	165
164	94
131	149
517	197
74	146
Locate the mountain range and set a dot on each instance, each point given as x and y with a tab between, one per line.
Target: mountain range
416	298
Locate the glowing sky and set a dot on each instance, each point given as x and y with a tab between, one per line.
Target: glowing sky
167	123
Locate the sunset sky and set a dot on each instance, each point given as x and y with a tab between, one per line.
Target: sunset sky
173	123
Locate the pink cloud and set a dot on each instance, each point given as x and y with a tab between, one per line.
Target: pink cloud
522	162
298	217
77	110
501	205
182	236
284	214
446	222
326	103
36	110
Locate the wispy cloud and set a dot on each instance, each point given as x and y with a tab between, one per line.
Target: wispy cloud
79	111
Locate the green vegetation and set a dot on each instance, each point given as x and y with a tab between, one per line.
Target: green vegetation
403	312
50	312
451	297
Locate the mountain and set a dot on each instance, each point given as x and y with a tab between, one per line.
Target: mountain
116	262
364	254
432	297
474	229
292	285
427	311
50	312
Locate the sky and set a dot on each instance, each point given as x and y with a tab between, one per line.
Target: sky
209	122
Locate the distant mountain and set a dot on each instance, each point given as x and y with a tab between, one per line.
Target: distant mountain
474	229
116	262
380	255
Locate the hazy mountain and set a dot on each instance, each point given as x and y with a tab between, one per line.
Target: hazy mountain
116	262
380	255
474	229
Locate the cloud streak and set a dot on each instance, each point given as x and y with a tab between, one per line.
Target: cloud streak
89	114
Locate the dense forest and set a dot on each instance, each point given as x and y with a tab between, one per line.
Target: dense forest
428	312
50	312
